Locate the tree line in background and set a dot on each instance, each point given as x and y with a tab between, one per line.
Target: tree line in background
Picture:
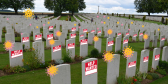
151	6
58	6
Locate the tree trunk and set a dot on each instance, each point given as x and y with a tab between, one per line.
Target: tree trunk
167	13
148	13
16	11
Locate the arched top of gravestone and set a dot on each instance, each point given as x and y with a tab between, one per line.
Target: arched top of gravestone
62	65
88	60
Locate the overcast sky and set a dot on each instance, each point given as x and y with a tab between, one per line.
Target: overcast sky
106	6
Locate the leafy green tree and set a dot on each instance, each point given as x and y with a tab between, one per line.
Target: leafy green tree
16	4
164	5
58	6
149	6
82	5
72	5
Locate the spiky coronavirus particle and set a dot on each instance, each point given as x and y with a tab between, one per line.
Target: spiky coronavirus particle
108	56
28	13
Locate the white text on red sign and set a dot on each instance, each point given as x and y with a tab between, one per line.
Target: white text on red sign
131	64
71	45
99	32
25	39
50	36
125	41
50	27
38	37
92	31
16	53
73	35
74	29
90	67
82	35
134	35
145	59
110	43
127	34
162	39
84	30
157	57
83	41
57	48
140	34
119	34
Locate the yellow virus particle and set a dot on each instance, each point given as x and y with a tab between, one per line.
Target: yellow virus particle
51	42
158	29
52	70
28	13
8	45
95	38
110	31
145	36
108	56
128	52
58	33
48	22
36	26
74	24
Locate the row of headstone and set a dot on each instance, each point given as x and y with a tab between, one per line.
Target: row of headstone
90	66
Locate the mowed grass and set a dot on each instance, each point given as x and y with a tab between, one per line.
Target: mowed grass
40	77
79	18
150	21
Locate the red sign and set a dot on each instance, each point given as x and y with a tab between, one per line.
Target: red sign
110	43
57	48
134	35
82	35
16	53
119	34
50	27
145	59
127	33
99	32
140	34
84	30
84	41
25	39
38	37
131	64
125	41
74	29
71	45
73	35
50	36
90	67
92	31
157	57
162	39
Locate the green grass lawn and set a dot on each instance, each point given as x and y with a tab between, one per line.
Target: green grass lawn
79	18
137	19
40	77
84	17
